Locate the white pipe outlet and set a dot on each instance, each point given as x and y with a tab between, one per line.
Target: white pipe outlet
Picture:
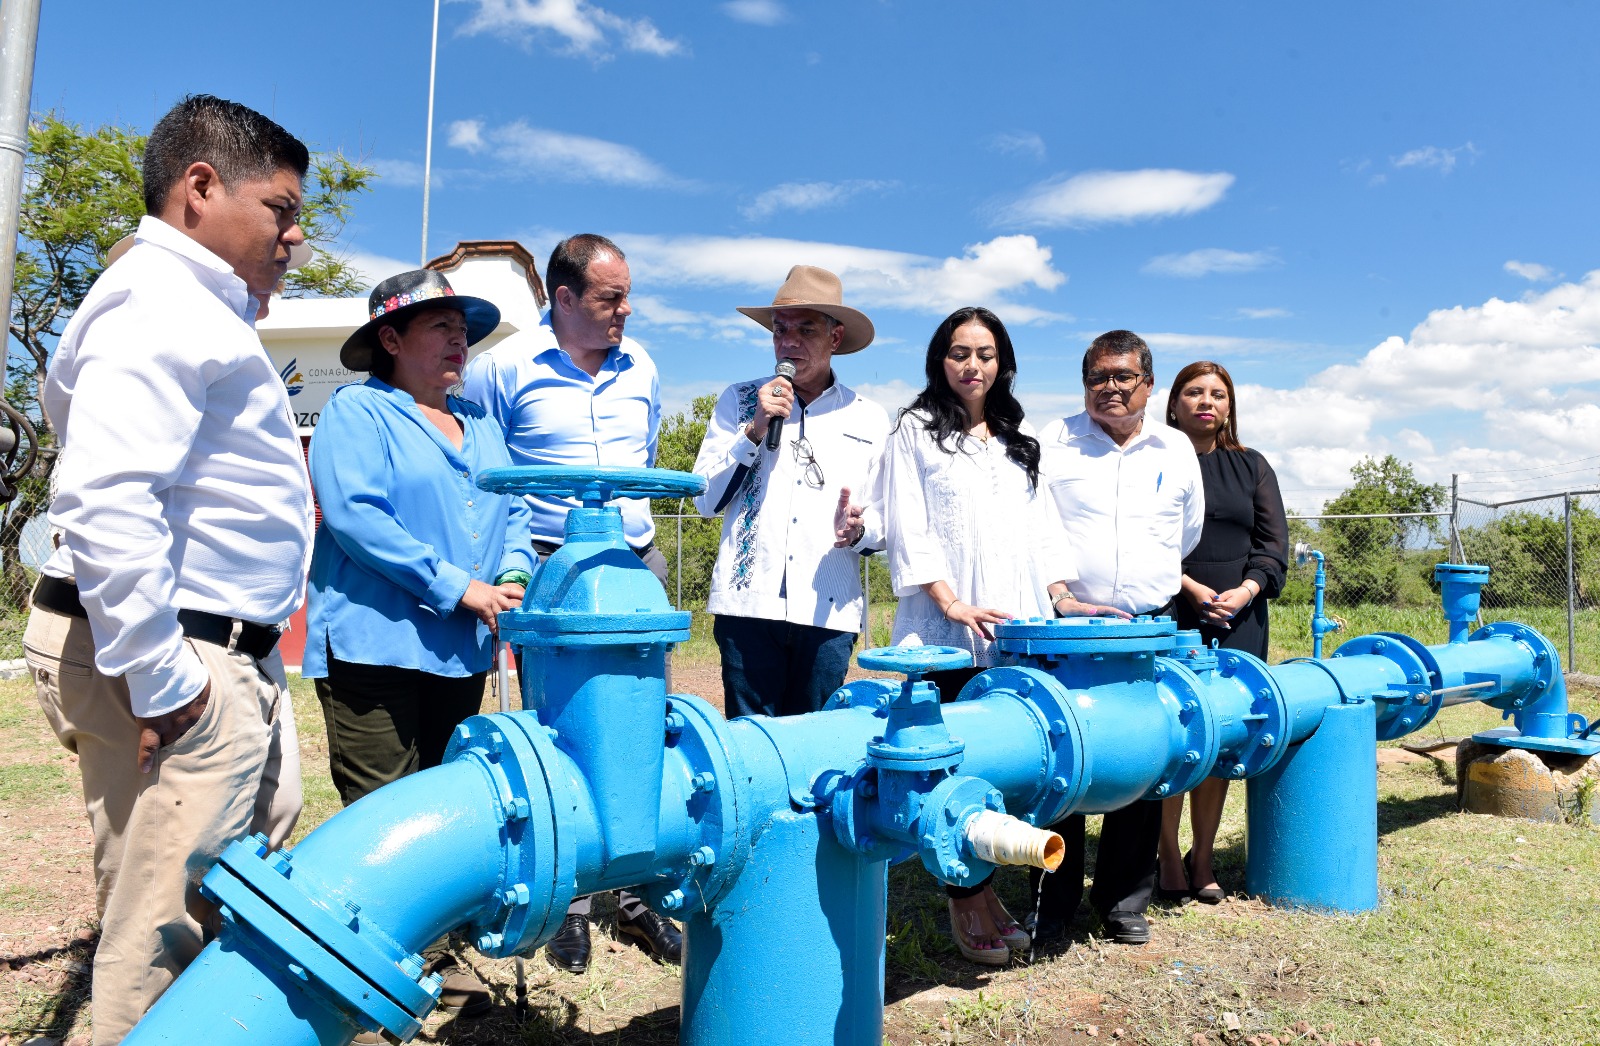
1002	839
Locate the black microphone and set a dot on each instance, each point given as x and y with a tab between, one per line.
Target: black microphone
784	370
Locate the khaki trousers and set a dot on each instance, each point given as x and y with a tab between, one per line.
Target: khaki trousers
237	771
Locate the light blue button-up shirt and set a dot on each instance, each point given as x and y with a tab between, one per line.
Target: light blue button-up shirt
404	529
554	413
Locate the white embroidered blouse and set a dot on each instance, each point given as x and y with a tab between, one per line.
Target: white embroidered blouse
968	517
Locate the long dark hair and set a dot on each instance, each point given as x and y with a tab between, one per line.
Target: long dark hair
947	418
1228	434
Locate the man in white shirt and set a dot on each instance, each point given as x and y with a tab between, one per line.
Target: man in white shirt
786	588
185	519
1133	504
576	391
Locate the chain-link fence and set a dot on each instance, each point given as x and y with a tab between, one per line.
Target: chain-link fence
1543	554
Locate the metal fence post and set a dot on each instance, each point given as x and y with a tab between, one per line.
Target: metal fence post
1572	632
866	599
679	603
1457	555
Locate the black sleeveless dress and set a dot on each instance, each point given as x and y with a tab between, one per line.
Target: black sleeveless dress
1246	536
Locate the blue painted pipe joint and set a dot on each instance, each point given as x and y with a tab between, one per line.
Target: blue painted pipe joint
771	838
1460	588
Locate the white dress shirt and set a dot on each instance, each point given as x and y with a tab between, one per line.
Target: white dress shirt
777	560
180	483
1131	512
969	517
555	413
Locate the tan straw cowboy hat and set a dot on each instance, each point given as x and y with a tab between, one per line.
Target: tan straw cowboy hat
808	287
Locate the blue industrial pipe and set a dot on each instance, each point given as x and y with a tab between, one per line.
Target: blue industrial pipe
1321	623
771	838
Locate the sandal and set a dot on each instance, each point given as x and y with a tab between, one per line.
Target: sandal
972	947
1007	928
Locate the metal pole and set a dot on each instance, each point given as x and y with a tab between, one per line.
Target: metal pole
1456	553
19	34
679	603
1572	633
427	154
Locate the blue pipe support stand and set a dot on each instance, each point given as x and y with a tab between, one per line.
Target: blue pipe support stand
771	838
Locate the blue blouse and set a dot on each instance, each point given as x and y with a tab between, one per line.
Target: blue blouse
404	529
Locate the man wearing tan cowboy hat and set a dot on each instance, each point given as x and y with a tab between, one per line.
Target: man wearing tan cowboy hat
786	589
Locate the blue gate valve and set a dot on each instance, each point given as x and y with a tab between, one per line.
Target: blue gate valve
906	795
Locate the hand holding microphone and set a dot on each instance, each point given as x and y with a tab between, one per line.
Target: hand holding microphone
775	399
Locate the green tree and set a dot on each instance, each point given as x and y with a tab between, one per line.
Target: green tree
679	444
83	191
1369	560
1526	553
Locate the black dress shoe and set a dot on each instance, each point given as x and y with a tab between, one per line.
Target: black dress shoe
569	948
658	936
1126	927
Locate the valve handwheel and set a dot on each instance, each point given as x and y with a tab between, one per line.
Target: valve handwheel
914	660
594	485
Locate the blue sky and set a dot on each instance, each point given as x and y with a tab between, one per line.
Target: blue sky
1382	217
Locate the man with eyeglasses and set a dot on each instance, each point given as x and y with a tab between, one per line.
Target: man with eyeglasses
786	588
1130	494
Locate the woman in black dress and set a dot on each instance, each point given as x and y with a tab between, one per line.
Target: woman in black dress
1227	580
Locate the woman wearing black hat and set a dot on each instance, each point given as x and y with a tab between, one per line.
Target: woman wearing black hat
413	562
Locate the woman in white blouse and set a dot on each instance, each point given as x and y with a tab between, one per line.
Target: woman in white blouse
973	540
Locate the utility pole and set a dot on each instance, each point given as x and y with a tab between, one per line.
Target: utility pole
427	155
19	34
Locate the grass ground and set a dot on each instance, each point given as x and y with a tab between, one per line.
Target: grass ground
1489	931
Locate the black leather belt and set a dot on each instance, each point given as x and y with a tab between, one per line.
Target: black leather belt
544	548
258	641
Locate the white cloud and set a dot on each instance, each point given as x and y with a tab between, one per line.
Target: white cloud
1209	260
582	27
1502	386
890	395
873	277
467	134
1097	197
806	196
375	268
1200	346
756	12
1433	157
524	150
1533	272
401	174
1023	143
1246	313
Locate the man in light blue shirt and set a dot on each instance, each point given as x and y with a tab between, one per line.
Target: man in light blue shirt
576	391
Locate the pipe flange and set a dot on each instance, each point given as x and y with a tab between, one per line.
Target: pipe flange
1067	769
563	628
1189	701
540	839
721	832
1267	735
941	830
1546	661
1052	637
352	961
864	693
1412	706
853	807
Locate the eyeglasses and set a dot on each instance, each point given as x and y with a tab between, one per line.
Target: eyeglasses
808	461
1122	381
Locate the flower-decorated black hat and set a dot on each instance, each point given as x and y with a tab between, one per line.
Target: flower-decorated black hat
411	292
